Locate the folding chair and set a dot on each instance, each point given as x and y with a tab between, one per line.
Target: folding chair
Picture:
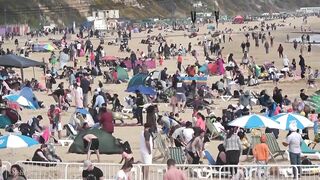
274	146
161	147
177	154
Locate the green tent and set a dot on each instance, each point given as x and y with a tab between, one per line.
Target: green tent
107	143
122	74
4	121
138	79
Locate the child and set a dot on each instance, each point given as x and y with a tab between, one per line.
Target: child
261	155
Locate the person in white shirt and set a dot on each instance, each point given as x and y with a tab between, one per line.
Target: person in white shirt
99	100
294	141
286	61
187	133
146	149
124	172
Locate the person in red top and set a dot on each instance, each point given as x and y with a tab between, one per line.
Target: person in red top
179	62
173	173
106	120
54	115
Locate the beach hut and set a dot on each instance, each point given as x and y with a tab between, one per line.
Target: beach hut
238	20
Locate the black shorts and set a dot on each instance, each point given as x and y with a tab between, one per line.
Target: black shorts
94	144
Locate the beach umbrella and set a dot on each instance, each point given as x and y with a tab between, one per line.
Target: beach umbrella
16	141
285	119
48	47
143	90
254	121
22	101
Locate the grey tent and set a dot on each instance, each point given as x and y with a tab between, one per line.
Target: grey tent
12	60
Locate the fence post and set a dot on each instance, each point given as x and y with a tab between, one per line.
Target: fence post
66	171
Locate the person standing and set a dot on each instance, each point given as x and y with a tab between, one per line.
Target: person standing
233	147
173	173
248	46
243	46
133	58
91	143
54	115
261	155
91	172
78	95
266	46
280	51
139	103
294	140
146	149
302	66
106	120
179	61
195	147
85	85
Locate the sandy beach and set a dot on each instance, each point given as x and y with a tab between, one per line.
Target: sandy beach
289	86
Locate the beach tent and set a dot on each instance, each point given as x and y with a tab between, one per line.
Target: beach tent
107	143
238	20
29	95
42	48
83	111
4	121
12	60
122	74
143	90
138	79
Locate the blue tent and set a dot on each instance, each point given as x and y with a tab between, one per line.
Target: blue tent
143	90
138	79
28	94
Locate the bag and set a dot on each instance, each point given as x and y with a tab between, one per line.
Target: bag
306	161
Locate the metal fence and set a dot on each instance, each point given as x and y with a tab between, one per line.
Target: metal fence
44	170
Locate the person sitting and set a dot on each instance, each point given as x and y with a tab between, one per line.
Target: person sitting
221	157
303	96
34	124
40	154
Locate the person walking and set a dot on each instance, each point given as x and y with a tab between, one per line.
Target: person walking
302	66
266	47
294	140
173	173
233	147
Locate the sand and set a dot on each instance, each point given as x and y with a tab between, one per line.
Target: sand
131	133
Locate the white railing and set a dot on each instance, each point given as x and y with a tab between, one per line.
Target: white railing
5	166
44	170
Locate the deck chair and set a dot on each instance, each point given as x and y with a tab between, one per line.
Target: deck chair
307	151
209	172
177	154
160	147
71	132
214	132
254	140
274	147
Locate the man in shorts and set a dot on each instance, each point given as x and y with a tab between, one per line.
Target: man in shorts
91	143
54	115
146	148
181	96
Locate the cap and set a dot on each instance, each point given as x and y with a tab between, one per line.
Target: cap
293	127
86	164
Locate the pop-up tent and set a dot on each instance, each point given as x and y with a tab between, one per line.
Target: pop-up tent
122	74
19	62
238	20
27	93
138	79
107	143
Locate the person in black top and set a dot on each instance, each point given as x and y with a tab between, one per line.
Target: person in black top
164	75
139	103
302	66
303	96
34	124
39	154
116	105
85	85
58	94
91	172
